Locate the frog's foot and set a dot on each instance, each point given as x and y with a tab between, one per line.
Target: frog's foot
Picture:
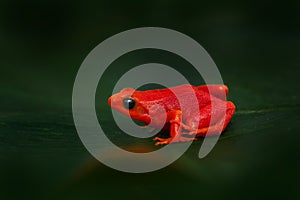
162	141
202	132
186	127
199	132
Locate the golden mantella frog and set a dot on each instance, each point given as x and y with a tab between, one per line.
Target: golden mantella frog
181	123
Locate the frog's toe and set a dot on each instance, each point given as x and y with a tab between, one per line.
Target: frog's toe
159	139
162	141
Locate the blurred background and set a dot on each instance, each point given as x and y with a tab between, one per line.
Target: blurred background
255	44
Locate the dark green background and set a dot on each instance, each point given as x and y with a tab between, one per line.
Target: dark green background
255	44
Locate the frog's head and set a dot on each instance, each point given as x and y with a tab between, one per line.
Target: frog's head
127	103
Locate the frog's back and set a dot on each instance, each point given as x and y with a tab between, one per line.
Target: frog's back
167	98
157	94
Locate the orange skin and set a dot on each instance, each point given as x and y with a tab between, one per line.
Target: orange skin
182	123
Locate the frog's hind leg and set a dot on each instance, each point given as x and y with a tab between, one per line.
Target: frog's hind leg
202	132
217	128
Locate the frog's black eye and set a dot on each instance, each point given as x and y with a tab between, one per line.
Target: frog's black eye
128	103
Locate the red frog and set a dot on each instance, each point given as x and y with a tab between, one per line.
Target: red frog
183	119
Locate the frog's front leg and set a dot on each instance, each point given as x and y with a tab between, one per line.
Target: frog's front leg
174	117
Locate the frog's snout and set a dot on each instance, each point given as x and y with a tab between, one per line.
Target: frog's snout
109	101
